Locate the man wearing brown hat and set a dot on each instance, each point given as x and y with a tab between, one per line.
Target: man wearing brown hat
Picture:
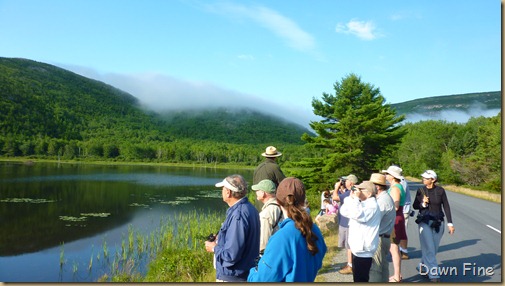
269	169
379	272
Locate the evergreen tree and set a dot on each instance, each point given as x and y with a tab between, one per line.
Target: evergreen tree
356	129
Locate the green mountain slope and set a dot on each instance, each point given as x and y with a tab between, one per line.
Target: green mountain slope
237	126
41	100
38	99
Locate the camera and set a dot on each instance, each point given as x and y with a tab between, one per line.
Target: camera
211	237
420	218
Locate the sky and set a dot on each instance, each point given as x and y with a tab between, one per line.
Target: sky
275	56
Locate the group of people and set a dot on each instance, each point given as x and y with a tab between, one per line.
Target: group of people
279	244
373	219
282	244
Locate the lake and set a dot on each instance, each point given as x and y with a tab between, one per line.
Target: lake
48	210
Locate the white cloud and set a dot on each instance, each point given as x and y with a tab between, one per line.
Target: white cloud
361	29
280	25
166	93
457	116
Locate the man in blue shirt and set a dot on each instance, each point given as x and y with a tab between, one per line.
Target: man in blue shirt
237	244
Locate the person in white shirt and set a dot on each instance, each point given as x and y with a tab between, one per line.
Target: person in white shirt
364	219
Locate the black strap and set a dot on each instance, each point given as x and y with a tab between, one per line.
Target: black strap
280	215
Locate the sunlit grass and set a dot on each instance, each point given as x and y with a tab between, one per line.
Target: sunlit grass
174	252
331	240
485	195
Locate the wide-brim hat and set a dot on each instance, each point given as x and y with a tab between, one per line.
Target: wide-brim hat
270	152
378	179
394	171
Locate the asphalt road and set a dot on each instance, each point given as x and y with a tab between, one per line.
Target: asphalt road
473	253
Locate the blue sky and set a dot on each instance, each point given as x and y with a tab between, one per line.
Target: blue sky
272	55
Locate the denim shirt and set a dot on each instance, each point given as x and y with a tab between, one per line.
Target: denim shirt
238	242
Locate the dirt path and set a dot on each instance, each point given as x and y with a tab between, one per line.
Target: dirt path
332	275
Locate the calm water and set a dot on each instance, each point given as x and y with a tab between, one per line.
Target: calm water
45	206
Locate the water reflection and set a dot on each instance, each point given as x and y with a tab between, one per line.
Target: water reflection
45	205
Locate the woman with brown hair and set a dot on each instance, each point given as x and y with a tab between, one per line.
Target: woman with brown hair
295	252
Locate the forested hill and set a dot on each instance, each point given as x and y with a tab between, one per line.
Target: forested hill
41	100
38	100
461	102
239	126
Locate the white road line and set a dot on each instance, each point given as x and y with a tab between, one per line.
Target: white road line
497	230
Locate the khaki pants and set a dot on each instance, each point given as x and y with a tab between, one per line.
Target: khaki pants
379	272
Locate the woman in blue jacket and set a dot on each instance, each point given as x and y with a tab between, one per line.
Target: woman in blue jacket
295	252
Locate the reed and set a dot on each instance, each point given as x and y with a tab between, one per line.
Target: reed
174	252
62	255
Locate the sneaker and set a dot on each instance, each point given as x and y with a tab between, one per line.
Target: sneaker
405	255
346	270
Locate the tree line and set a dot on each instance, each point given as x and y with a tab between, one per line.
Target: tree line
47	112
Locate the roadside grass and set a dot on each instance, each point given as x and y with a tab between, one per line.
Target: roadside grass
331	240
485	195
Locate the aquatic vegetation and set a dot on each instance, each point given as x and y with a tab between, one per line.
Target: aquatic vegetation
174	203
72	218
138	205
27	200
174	252
95	214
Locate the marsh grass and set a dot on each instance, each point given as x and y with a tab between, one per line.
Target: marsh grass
174	252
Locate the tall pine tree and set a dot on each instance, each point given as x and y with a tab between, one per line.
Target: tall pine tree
357	130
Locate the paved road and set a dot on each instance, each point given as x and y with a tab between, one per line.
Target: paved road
475	245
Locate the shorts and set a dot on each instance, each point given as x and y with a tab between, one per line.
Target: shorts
343	237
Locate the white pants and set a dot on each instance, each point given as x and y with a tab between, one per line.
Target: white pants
430	240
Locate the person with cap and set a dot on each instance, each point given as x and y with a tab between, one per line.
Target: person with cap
343	190
237	244
429	201
379	272
396	191
271	214
295	252
269	169
364	220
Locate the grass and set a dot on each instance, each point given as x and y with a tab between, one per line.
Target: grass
174	252
485	195
331	240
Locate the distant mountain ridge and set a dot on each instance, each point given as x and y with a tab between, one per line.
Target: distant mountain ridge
38	100
460	102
